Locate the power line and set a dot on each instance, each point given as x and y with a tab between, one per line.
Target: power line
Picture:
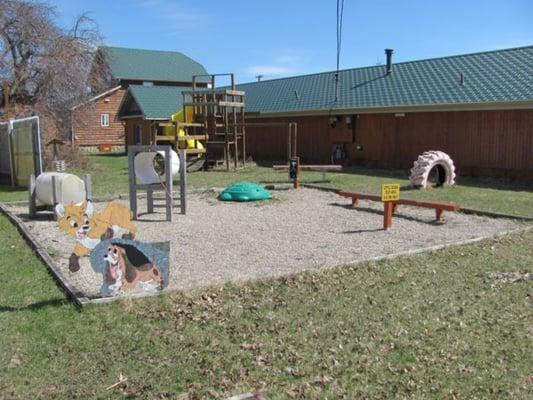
340	13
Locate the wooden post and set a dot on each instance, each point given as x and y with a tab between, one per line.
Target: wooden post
289	141
295	147
168	184
36	141
88	187
183	181
54	195
133	181
243	135
387	214
31	196
226	139
54	190
439	212
149	201
11	153
235	135
294	171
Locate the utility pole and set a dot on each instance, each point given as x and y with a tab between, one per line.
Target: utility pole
259	77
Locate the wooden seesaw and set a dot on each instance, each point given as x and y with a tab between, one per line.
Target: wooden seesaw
294	169
390	207
294	166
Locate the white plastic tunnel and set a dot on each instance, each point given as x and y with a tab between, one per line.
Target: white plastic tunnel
69	189
145	166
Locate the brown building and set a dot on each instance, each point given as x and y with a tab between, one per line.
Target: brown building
144	106
95	124
478	108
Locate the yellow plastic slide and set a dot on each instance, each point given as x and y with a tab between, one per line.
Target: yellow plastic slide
182	144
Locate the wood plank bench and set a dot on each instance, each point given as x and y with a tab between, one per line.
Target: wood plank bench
390	207
319	168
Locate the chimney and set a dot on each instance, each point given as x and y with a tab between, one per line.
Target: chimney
388	52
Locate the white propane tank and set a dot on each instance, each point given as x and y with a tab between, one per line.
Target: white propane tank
69	188
144	166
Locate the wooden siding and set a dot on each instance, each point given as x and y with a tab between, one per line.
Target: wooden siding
86	125
482	143
146	127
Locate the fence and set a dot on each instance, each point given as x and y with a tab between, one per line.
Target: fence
20	150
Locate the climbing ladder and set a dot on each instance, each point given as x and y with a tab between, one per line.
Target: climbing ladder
220	113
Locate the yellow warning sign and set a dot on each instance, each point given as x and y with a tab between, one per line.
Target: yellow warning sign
390	192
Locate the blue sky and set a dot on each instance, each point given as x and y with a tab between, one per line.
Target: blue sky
282	38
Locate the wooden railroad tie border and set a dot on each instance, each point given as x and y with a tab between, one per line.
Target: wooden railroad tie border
70	290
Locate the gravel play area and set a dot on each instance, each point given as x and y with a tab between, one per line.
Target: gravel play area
297	230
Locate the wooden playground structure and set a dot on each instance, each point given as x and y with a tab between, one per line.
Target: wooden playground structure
215	117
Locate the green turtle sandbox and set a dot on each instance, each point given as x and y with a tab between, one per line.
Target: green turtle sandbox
245	191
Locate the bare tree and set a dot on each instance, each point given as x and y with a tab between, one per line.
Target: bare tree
48	68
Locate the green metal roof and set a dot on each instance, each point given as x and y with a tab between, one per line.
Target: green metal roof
151	65
493	76
153	102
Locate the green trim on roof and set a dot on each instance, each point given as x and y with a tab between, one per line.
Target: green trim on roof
151	65
154	102
489	77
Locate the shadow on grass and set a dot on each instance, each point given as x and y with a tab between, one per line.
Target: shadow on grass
285	181
35	306
487	183
403	174
495	183
108	155
8	188
379	173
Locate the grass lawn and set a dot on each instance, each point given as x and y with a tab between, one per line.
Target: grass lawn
110	177
428	326
9	193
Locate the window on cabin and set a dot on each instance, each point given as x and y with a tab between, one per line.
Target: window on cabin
104	120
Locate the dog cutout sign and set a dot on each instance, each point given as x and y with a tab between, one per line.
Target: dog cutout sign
90	227
131	266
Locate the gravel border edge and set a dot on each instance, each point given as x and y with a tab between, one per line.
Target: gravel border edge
42	254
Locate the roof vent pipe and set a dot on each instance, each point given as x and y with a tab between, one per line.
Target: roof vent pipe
388	52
